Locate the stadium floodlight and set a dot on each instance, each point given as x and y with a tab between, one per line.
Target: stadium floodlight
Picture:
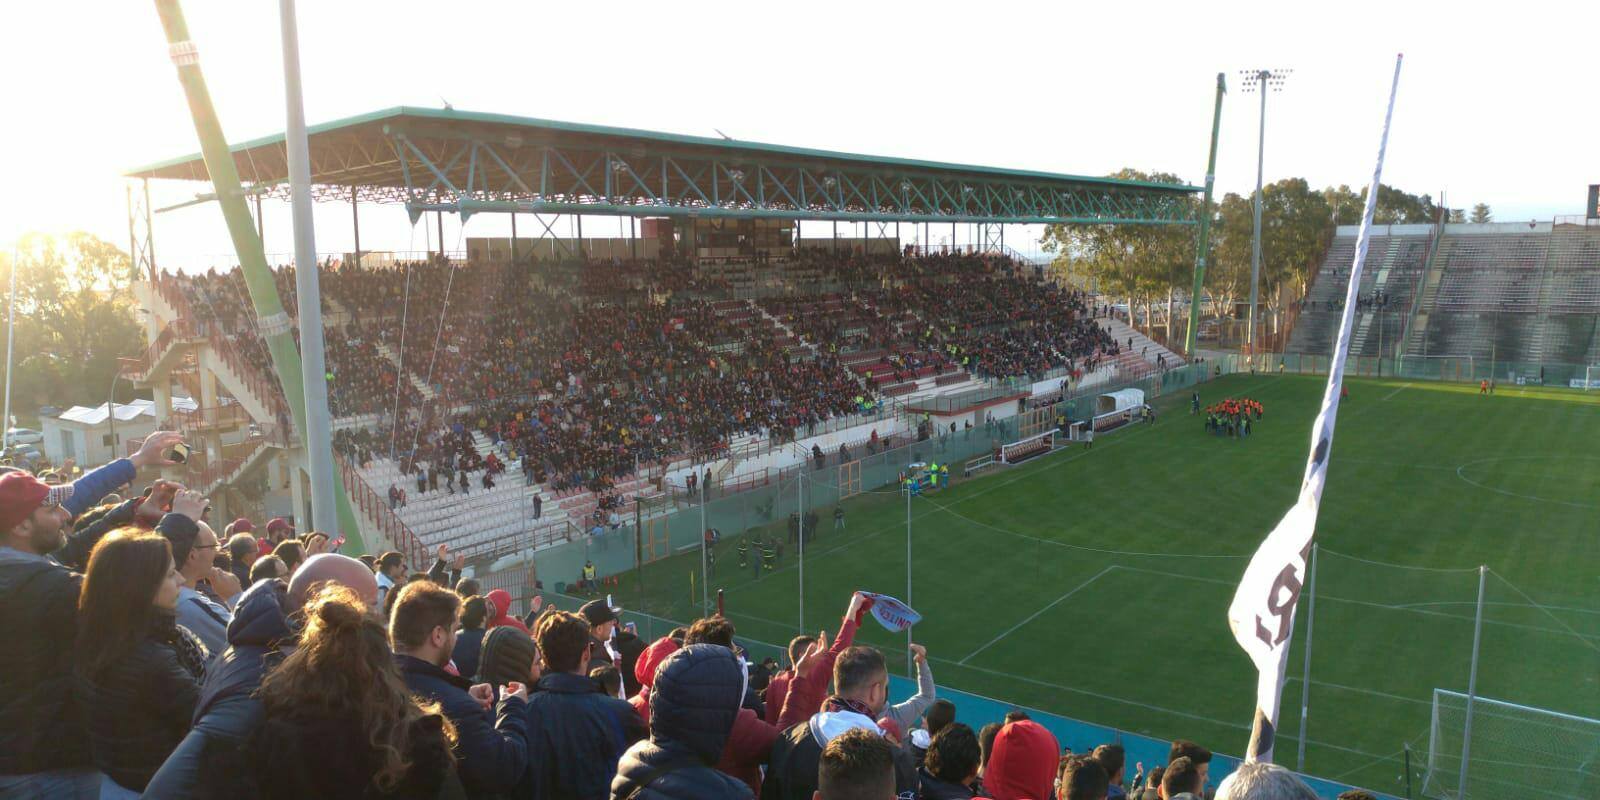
1264	81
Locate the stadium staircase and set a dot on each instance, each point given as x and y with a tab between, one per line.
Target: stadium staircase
1144	347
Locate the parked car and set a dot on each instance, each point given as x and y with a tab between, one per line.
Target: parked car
24	436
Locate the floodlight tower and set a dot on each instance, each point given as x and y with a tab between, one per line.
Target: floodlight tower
1263	81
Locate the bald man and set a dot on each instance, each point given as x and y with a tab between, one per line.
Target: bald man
263	631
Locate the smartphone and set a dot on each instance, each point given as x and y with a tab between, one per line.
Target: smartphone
179	453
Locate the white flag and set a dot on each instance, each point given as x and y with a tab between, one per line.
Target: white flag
1262	613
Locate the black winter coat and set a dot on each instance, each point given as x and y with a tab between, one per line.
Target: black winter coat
139	707
292	760
41	727
692	708
214	752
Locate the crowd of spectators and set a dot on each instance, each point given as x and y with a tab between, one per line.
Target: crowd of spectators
580	380
147	668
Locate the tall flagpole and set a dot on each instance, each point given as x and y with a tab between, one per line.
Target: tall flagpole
319	429
1305	674
1261	615
1472	685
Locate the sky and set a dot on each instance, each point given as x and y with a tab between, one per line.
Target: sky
1495	105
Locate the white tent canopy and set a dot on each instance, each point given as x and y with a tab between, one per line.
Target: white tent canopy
1120	400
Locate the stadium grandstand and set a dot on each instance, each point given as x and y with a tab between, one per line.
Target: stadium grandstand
710	508
543	426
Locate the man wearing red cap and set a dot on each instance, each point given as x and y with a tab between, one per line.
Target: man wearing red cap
42	749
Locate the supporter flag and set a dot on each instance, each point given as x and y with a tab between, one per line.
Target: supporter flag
891	613
1262	613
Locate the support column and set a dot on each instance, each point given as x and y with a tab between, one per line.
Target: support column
440	217
355	222
297	492
513	237
261	224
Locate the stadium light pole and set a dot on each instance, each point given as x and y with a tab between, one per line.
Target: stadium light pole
318	443
705	558
1203	246
1263	81
11	323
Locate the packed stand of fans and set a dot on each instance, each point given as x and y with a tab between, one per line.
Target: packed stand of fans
578	388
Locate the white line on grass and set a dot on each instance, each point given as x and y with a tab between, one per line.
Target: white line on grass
1403	387
1035	615
1587	640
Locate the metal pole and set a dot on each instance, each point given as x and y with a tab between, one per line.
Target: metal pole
1472	686
1203	248
111	409
1305	674
439	216
705	572
1255	243
270	316
319	428
150	229
261	222
355	222
513	237
911	667
800	526
11	323
1408	770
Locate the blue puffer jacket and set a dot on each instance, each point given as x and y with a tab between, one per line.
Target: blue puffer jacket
693	705
491	748
209	759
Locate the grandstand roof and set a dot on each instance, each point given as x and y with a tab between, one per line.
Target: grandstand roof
469	162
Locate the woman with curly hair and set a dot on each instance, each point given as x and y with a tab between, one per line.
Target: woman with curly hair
339	721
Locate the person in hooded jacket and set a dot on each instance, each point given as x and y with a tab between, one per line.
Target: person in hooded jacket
750	743
644	671
500	612
861	686
694	699
1023	764
629	648
207	763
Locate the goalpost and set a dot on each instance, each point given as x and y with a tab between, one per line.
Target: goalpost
1517	751
1444	368
1591	377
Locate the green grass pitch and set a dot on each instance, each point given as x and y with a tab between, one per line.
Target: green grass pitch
1095	584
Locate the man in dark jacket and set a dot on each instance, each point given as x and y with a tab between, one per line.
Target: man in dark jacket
577	732
212	756
952	764
43	747
629	647
692	707
602	619
491	749
861	680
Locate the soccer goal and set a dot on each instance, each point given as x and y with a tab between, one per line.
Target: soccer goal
1591	378
1442	368
1517	751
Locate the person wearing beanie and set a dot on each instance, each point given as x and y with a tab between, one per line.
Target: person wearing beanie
1023	766
43	747
508	656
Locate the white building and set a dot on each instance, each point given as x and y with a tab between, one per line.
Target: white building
84	434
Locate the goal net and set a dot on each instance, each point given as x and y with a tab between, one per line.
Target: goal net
1517	751
1024	449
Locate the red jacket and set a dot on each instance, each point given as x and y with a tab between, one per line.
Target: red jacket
644	671
780	682
750	743
1023	764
